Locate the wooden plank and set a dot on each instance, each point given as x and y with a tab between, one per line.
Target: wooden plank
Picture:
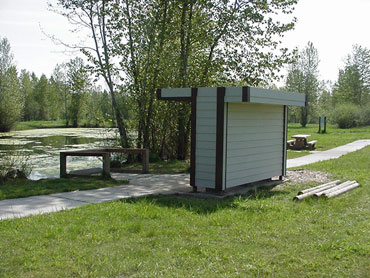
252	178
275	171
204	183
245	159
233	94
277	95
176	92
254	136
250	144
258	164
207	92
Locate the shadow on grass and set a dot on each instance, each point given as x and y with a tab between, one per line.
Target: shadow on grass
200	205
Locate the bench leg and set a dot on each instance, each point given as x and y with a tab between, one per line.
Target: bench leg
146	162
106	164
63	165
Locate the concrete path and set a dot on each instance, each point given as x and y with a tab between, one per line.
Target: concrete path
140	185
329	154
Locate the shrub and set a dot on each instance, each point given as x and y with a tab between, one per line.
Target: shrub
365	115
346	115
14	165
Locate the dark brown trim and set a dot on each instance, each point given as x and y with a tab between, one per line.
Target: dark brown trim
159	94
220	137
246	94
285	111
194	93
160	97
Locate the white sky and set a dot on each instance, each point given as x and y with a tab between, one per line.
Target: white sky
332	25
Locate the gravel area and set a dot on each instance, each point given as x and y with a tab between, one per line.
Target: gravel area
303	176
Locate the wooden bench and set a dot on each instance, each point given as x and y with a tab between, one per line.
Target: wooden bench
105	154
311	144
290	143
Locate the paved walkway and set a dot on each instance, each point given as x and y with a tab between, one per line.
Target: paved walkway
140	185
329	154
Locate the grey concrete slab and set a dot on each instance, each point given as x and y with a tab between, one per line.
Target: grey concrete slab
140	185
21	207
329	154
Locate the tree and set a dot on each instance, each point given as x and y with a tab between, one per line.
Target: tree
93	16
41	97
78	85
11	98
145	45
58	83
303	78
353	85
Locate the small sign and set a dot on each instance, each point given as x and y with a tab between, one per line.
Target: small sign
322	125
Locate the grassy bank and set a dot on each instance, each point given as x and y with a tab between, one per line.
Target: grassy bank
49	124
17	188
39	124
265	234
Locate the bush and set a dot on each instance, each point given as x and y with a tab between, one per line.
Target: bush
346	115
365	115
15	165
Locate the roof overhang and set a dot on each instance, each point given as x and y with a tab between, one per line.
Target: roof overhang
240	94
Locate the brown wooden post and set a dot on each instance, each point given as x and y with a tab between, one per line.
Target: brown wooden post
146	161
106	164
63	165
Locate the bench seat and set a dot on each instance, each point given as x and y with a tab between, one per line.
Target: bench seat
290	143
311	144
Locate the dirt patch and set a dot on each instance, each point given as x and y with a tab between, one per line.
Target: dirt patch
304	176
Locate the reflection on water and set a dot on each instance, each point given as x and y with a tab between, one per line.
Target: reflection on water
44	146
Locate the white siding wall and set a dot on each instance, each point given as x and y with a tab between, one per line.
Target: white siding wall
254	142
205	149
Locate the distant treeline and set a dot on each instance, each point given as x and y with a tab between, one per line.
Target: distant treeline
345	102
69	94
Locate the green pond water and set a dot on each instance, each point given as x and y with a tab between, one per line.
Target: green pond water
43	147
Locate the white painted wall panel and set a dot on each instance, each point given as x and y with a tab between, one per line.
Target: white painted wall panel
254	142
205	147
233	94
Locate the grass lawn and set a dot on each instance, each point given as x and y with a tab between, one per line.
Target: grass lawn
164	167
265	234
333	138
16	188
39	124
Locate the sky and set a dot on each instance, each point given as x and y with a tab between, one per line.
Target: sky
332	25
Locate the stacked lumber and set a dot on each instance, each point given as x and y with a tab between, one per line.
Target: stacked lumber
328	190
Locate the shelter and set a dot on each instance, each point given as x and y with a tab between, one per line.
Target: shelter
238	134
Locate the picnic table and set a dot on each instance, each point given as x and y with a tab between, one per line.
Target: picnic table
301	143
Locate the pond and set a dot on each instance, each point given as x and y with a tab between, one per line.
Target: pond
42	146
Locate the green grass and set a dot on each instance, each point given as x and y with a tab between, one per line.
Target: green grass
164	167
39	124
333	138
264	234
17	188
